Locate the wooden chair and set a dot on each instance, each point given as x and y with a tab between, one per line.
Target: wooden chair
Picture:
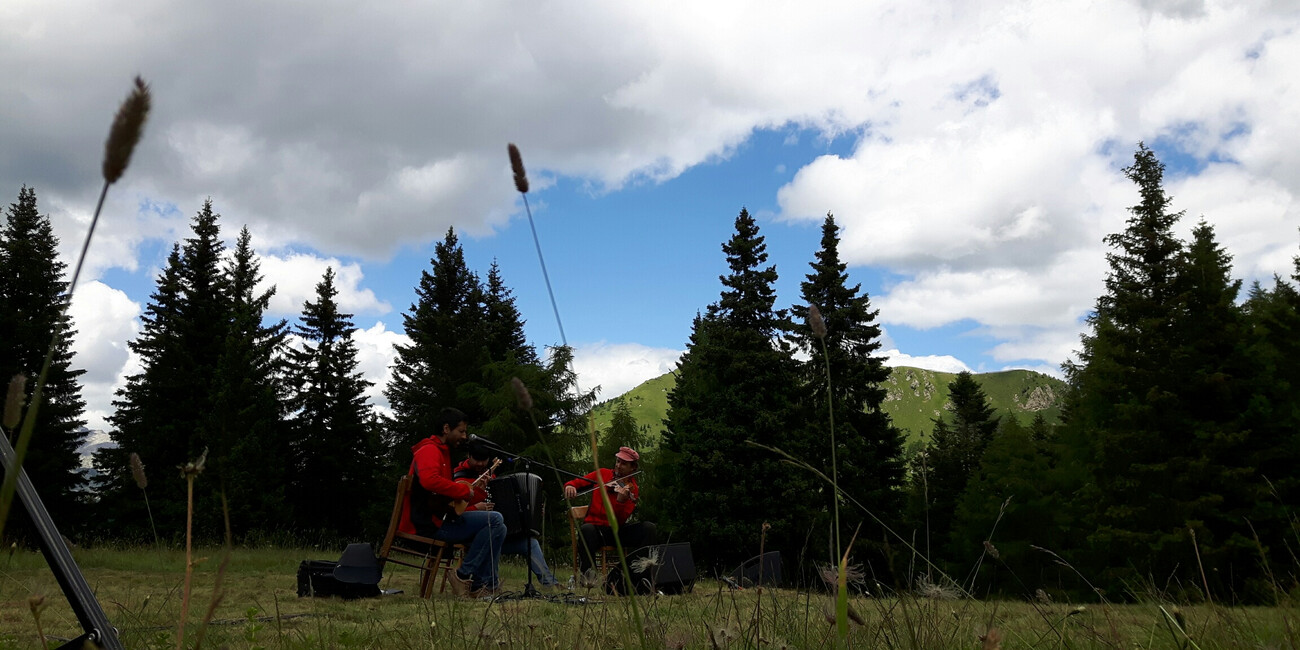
600	557
428	555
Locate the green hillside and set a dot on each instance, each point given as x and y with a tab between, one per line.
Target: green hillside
915	397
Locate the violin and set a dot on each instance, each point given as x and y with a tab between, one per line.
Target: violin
616	483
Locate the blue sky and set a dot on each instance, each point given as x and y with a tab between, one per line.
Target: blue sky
971	151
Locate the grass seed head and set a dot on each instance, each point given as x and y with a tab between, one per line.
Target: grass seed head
522	398
137	470
14	401
517	166
195	467
816	322
126	130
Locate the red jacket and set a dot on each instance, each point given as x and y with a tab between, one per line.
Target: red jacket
431	467
596	513
480	493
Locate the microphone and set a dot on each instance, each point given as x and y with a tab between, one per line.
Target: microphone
492	446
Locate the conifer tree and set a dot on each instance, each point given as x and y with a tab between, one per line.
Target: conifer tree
503	324
335	447
870	448
736	383
623	429
33	296
447	348
952	456
164	412
1154	397
247	421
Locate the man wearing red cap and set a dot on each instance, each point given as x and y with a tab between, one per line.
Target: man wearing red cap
624	493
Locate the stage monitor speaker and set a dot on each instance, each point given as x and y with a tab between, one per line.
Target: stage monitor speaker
765	567
666	568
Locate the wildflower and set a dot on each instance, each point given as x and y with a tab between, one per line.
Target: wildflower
517	166
1079	609
125	132
137	470
14	401
815	322
522	398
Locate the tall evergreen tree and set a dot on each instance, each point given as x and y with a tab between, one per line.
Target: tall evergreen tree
447	348
736	383
33	297
247	420
335	447
164	412
952	457
503	323
870	447
1154	398
623	430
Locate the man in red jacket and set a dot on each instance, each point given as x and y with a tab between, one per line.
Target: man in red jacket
623	495
427	512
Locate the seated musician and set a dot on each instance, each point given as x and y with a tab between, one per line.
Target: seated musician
624	492
427	511
526	546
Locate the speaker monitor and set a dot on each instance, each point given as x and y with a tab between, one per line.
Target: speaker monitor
667	568
765	567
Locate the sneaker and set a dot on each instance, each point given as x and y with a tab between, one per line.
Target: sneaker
460	586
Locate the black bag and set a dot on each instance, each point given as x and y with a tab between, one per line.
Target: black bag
355	575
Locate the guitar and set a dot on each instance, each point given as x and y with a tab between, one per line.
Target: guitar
458	507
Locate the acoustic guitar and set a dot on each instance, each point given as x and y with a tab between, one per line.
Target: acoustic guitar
458	507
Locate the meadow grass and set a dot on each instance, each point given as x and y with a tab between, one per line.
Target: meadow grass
140	589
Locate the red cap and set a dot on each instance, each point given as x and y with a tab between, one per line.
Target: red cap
628	454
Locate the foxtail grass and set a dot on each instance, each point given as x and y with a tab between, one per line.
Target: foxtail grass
189	472
128	125
142	482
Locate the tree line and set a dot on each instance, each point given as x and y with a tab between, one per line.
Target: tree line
1169	471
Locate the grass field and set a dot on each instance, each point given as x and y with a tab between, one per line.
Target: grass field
141	590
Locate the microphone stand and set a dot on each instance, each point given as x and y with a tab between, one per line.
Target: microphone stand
529	590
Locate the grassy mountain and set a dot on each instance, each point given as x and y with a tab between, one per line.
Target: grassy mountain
916	397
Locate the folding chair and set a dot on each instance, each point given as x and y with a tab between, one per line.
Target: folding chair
428	555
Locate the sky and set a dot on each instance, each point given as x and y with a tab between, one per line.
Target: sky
972	152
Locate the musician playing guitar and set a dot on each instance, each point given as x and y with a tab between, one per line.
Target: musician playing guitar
624	492
432	487
482	459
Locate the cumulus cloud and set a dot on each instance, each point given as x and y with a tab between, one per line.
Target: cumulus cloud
620	367
938	362
984	175
296	275
105	319
376	351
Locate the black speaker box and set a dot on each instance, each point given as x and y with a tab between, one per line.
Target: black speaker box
765	567
666	568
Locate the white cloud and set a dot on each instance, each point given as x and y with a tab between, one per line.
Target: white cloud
105	319
296	275
940	363
620	367
376	351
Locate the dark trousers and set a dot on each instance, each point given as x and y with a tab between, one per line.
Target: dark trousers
632	536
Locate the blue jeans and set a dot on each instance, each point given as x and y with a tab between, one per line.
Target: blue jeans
483	532
528	547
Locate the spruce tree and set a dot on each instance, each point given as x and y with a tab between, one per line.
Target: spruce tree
952	457
165	412
503	324
33	298
335	446
623	430
738	383
1154	399
447	349
870	448
247	422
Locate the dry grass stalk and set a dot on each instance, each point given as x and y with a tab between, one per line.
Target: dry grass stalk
141	480
517	166
36	603
189	472
816	322
128	125
15	400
